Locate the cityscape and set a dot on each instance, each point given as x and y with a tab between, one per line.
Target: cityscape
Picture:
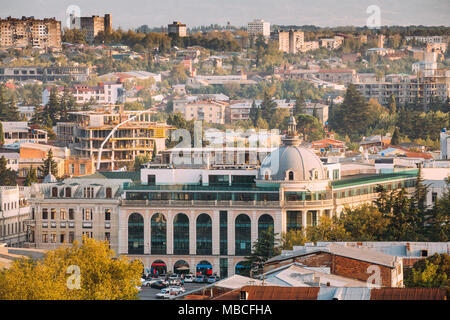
280	159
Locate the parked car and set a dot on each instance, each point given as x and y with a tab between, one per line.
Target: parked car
200	279
148	283
177	289
166	293
213	279
174	276
189	278
159	284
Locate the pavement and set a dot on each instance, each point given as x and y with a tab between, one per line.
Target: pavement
148	293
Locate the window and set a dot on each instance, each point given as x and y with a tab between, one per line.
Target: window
87	234
434	197
44	237
71	236
151	179
291	175
54	192
107	214
52	213
424	253
82	168
88	192
107	236
62	238
71	214
68	192
72	168
53	237
62	214
108	193
87	214
44	214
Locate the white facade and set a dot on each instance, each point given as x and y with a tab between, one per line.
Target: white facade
259	26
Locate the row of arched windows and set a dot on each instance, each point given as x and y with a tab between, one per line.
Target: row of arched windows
158	241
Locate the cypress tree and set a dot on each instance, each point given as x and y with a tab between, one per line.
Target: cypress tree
50	165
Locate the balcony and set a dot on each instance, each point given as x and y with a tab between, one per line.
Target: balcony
87	225
200	203
62	224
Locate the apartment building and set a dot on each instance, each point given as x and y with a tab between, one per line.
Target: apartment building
290	41
210	111
428	39
44	74
138	136
406	88
331	43
257	27
103	93
30	32
95	24
177	29
14	210
20	132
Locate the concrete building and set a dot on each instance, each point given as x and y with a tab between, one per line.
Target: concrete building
94	24
331	43
20	132
445	144
207	219
177	29
136	137
290	41
14	211
210	111
103	93
30	32
257	27
44	74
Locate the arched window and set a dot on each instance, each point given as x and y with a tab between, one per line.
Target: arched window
68	192
158	234
242	235
158	267
181	267
267	175
204	234
316	174
108	193
291	175
204	268
242	268
181	234
54	192
135	234
265	222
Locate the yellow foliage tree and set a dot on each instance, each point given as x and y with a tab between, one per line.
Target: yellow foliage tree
90	271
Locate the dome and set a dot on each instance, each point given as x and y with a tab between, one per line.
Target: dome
290	162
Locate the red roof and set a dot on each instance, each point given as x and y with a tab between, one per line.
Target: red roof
273	293
328	141
408	294
418	155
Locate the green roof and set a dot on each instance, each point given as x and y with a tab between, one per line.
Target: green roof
385	177
121	175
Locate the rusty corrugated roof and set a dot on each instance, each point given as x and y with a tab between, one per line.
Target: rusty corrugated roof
408	294
273	293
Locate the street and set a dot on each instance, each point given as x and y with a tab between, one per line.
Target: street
148	293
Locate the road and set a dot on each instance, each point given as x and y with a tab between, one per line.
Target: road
148	293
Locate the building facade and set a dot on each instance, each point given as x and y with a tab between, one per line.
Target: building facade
95	24
257	27
30	32
177	29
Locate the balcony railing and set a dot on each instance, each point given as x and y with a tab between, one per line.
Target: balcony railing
207	203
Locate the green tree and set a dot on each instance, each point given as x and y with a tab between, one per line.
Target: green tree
310	127
364	223
254	113
392	104
328	229
102	275
267	107
2	135
292	238
396	137
263	249
7	176
31	177
140	160
438	224
154	153
299	104
49	165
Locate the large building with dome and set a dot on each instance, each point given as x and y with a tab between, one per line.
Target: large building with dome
201	219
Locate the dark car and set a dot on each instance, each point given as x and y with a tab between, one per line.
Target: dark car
159	285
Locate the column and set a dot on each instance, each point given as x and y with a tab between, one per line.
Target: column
215	233
230	235
254	228
169	232
192	234
279	224
147	233
231	270
304	213
192	267
216	265
122	241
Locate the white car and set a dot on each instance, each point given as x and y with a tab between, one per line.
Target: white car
189	278
147	283
166	293
177	289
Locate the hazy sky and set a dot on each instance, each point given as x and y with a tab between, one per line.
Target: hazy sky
133	13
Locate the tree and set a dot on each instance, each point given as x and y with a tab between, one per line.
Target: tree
154	153
31	177
328	229
267	107
299	104
292	238
438	223
8	108
392	104
2	135
254	113
50	165
396	137
140	160
102	275
263	249
7	176
310	127
364	223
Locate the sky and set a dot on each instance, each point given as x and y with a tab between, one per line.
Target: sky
155	13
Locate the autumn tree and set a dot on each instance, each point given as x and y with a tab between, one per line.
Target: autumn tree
86	271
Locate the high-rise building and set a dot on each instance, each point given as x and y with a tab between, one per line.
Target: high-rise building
93	25
177	29
258	26
30	32
291	41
